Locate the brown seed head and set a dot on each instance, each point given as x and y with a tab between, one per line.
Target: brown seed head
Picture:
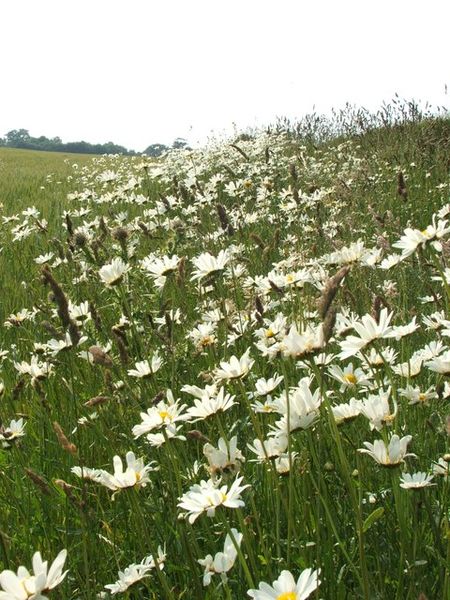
100	357
62	439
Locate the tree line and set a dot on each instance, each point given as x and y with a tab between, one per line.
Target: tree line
21	138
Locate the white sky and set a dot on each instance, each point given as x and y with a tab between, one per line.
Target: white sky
138	72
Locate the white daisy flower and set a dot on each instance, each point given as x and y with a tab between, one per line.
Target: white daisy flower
286	588
416	481
113	272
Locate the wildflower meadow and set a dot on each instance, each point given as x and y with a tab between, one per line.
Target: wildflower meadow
224	373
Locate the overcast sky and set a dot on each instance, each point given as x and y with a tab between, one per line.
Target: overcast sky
137	72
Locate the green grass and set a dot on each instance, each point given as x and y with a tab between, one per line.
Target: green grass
287	202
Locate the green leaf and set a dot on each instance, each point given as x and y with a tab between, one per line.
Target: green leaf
374	516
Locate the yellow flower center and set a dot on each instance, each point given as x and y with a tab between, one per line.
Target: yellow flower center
350	378
287	596
422	397
164	414
269	333
289	278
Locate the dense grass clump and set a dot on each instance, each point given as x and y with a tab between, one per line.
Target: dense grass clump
229	367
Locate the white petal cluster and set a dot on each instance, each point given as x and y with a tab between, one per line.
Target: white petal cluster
136	474
222	561
113	272
207	497
286	588
33	585
389	455
136	572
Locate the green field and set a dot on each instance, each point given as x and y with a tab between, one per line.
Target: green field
244	318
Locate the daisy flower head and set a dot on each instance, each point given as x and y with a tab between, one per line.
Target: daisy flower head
286	588
146	368
223	561
113	272
416	396
442	467
160	267
136	474
349	377
209	402
266	386
306	341
11	433
416	481
391	455
272	447
299	408
36	369
410	241
163	414
207	264
368	329
235	368
226	458
135	572
207	497
440	364
377	410
25	585
346	411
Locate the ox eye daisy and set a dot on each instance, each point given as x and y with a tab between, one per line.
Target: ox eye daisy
113	272
390	455
235	368
223	561
146	368
207	497
12	432
25	585
416	481
286	588
163	414
207	264
136	474
136	572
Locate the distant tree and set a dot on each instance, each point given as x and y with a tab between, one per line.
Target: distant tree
20	138
180	144
156	150
17	138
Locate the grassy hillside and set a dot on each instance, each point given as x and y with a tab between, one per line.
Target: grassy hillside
260	329
26	175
